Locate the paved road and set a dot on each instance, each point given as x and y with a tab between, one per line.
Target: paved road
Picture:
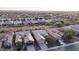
43	46
30	48
68	47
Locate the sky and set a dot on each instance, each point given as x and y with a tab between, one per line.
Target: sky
46	5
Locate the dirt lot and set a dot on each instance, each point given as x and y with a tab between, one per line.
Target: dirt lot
22	28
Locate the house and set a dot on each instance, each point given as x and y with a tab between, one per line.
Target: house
0	44
23	21
18	40
39	36
56	34
1	22
7	40
26	38
73	27
28	41
5	21
10	21
17	21
18	37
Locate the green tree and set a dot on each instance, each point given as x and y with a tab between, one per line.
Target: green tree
77	22
68	34
62	21
49	39
66	23
58	24
49	17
